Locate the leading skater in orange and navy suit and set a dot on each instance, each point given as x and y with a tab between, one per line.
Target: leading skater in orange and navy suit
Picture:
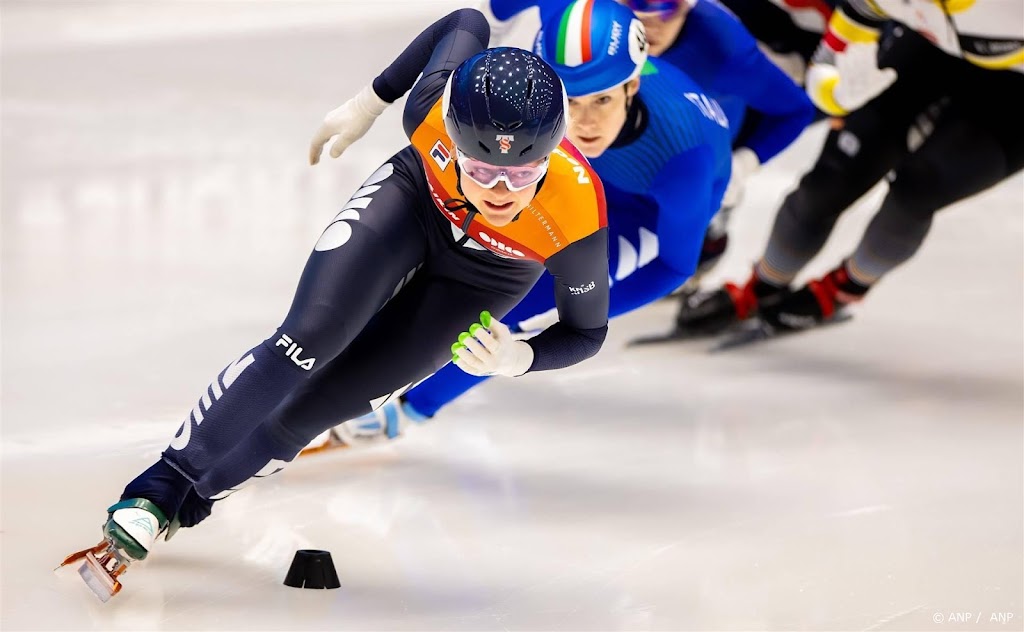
457	226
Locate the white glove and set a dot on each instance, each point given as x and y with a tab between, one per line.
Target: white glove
348	122
744	164
488	348
854	80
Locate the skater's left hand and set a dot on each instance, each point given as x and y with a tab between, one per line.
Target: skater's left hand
489	348
348	123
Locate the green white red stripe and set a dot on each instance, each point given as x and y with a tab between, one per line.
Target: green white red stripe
574	34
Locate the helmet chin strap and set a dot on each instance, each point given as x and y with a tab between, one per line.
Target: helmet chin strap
464	202
458	178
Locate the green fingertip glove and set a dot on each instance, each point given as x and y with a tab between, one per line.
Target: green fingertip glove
485	322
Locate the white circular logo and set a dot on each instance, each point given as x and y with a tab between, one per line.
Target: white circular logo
637	42
339	231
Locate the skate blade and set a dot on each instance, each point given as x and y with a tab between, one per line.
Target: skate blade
754	332
656	339
759	331
74	557
682	335
101	582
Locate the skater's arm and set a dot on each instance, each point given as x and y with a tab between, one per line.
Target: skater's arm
648	284
686	197
435	53
780	29
749	74
862	13
516	22
853	22
580	272
844	73
507	9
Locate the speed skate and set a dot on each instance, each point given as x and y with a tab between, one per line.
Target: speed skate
132	527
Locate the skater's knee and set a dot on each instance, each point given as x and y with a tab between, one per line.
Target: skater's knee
905	203
930	183
804	216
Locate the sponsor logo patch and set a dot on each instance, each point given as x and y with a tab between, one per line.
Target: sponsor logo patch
293	351
441	155
498	246
505	142
583	289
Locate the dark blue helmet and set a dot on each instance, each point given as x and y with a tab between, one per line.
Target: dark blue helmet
505	107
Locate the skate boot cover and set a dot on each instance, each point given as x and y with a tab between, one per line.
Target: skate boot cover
715	311
133	526
379	426
818	301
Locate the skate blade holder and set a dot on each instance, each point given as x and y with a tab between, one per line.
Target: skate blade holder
329	446
100	569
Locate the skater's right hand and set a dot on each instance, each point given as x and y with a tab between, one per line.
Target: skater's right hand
349	123
489	348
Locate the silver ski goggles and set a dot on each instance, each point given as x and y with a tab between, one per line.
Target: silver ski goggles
488	176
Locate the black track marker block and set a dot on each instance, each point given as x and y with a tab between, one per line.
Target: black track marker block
312	569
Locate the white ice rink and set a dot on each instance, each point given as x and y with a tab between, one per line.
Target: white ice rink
157	210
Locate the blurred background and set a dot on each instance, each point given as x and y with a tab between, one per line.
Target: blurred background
157	208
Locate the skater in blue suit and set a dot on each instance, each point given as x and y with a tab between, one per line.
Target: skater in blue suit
767	111
661	146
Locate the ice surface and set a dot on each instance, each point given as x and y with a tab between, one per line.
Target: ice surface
157	210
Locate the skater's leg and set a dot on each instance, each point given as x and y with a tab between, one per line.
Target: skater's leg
368	250
871	142
959	160
409	339
535	312
978	143
970	150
